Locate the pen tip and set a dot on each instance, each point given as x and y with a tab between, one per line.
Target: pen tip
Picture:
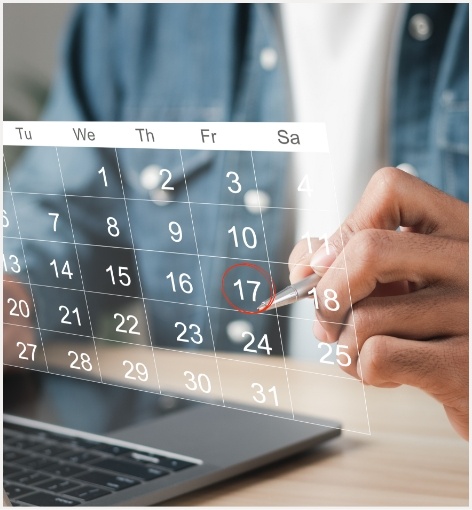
262	306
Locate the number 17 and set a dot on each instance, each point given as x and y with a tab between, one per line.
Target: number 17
256	286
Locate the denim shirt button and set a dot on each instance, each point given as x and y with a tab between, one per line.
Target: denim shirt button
236	329
268	58
420	27
409	169
256	202
150	177
160	197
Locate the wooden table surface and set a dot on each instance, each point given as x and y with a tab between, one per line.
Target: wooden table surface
412	456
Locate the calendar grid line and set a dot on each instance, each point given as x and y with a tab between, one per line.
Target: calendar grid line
78	264
201	275
26	265
350	297
166	252
194	400
183	202
137	267
270	272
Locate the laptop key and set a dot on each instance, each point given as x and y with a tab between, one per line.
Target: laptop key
22	443
29	477
58	485
175	464
37	463
127	468
161	461
51	450
45	499
112	449
15	491
12	456
80	457
115	482
9	470
87	492
60	469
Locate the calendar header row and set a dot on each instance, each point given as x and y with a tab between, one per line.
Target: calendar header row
249	136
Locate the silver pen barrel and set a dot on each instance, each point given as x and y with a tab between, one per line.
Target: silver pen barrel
292	293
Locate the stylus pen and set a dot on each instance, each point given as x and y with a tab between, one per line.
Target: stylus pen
292	293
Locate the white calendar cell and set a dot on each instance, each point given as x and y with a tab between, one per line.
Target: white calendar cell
157	174
179	327
25	350
256	387
52	224
320	225
71	355
62	310
191	376
321	399
238	234
36	183
235	183
58	264
14	267
10	225
18	305
318	357
256	337
328	300
309	186
177	277
99	175
109	270
131	366
124	319
170	232
110	221
242	284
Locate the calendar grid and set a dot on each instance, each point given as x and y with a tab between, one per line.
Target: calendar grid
150	301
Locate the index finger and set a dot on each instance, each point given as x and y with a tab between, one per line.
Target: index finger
392	199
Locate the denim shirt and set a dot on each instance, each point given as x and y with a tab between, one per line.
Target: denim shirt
201	62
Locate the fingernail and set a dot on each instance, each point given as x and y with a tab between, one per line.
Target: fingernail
321	260
319	332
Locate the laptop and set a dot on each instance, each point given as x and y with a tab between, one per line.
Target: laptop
148	461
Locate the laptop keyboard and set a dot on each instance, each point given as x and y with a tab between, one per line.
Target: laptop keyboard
42	468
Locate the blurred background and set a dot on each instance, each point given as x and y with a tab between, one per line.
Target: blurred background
31	45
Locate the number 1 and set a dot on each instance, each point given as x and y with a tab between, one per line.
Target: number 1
102	171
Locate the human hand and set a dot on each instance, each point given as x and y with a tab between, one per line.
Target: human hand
406	287
15	315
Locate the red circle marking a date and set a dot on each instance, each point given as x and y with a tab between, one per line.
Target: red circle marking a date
264	273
